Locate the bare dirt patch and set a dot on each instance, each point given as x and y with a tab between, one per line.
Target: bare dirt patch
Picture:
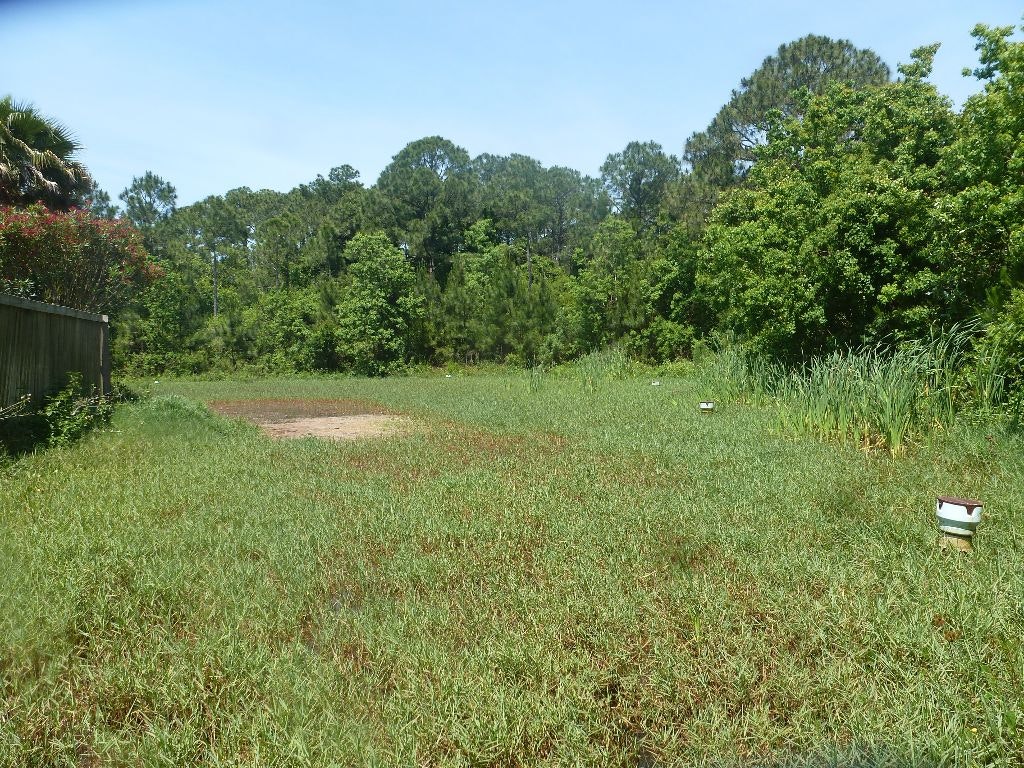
339	427
330	419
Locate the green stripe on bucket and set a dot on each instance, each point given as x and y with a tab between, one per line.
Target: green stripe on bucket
945	521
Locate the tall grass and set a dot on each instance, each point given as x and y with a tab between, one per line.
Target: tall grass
604	365
879	396
732	374
536	578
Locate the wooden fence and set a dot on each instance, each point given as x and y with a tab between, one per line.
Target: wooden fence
40	344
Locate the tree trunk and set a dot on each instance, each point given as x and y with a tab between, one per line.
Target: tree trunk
529	263
214	283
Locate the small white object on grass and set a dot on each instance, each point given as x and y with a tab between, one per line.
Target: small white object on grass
447	375
707	406
655	383
958	520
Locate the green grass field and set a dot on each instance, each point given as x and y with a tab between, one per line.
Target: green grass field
548	571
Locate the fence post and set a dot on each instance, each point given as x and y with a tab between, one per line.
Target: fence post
105	355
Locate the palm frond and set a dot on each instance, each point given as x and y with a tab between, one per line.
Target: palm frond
37	157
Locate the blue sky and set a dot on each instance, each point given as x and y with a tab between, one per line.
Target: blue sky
216	95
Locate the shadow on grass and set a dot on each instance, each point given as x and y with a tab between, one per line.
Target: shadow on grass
865	757
64	418
23	434
870	756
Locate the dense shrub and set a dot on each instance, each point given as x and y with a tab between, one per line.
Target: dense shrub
73	411
282	331
379	307
1004	346
72	258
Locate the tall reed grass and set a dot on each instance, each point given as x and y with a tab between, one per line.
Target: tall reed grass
880	396
595	368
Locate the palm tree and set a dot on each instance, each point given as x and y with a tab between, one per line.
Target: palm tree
37	159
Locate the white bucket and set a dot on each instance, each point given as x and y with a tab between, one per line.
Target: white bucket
959	517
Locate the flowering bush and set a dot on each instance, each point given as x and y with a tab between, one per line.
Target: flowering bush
72	258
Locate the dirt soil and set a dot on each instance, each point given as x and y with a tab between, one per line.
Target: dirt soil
330	419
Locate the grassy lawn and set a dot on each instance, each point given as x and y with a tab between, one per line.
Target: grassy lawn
545	572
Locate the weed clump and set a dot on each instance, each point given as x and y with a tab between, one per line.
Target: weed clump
879	396
63	418
73	411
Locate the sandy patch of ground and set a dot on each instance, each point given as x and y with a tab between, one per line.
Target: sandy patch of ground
339	427
329	419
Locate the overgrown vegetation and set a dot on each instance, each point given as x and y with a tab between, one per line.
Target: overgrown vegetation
826	208
827	219
878	396
63	418
566	564
562	569
71	259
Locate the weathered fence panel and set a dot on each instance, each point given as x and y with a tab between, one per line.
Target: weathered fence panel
40	344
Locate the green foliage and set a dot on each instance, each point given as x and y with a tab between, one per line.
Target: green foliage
824	209
829	244
148	201
638	179
605	300
428	197
62	418
547	211
722	154
875	396
379	307
661	339
498	304
160	330
981	218
37	159
99	204
1002	351
73	411
599	367
283	331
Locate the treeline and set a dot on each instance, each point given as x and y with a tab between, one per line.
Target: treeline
829	203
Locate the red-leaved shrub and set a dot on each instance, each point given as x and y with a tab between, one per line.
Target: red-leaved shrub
71	259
